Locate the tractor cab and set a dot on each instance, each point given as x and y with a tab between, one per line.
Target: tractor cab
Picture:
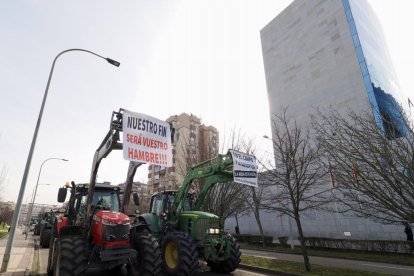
161	202
105	198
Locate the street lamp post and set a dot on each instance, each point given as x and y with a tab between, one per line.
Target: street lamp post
28	208
29	213
9	244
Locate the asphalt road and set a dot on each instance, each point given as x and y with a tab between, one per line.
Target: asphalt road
393	269
238	272
204	269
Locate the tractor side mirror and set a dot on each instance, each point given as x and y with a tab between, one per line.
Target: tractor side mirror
136	198
62	194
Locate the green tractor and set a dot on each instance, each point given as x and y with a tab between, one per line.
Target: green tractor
46	226
184	231
38	223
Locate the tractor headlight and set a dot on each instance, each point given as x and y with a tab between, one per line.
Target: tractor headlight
108	222
213	231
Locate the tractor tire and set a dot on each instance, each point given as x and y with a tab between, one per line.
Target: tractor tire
70	257
179	254
45	239
36	230
148	260
229	265
40	235
49	268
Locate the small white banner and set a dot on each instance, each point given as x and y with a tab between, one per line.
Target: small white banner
244	168
146	139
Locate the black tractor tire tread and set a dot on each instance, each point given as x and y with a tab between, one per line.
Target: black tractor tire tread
36	230
149	255
40	235
45	240
188	254
73	261
49	268
229	265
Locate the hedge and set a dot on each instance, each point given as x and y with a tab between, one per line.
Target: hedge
253	238
363	245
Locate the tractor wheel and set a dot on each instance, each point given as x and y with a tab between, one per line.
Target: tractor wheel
45	239
229	265
36	230
179	254
49	268
52	246
70	257
40	235
148	259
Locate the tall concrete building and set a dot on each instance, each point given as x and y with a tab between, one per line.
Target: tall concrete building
193	142
143	192
329	54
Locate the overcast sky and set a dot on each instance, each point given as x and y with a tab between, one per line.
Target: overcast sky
201	57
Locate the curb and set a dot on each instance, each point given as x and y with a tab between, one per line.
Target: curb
265	270
30	264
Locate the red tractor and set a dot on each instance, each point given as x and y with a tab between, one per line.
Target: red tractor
95	231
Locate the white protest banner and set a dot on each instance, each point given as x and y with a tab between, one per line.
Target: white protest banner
146	139
244	168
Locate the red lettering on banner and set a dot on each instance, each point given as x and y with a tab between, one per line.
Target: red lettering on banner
149	157
140	155
131	153
134	139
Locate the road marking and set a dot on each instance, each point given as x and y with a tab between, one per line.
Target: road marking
250	272
261	256
393	267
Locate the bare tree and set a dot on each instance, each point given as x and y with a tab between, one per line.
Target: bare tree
373	162
254	197
6	215
226	199
295	174
2	180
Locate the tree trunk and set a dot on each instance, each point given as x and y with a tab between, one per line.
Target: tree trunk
237	229
302	244
256	212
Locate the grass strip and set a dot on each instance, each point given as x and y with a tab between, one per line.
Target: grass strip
3	231
299	269
390	258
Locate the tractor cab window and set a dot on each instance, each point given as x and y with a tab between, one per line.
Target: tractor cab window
156	207
187	203
106	200
170	201
82	205
158	201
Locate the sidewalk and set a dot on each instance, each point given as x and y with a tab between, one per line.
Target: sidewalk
21	258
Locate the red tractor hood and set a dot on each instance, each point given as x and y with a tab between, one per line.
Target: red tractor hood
114	217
